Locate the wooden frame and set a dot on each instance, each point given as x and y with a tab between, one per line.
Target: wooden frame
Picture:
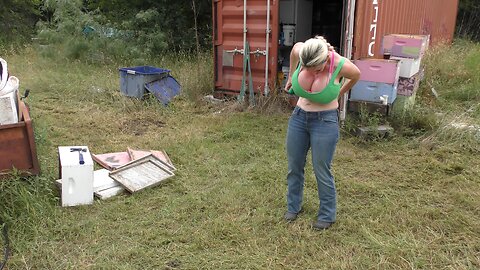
142	173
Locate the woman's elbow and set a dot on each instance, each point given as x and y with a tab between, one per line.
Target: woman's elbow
356	74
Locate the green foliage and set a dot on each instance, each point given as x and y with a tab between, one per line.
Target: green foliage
17	20
25	204
415	122
78	34
468	20
453	72
175	19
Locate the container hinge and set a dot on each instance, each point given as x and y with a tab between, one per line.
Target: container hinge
235	51
258	52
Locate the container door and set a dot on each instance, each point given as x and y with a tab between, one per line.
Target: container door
348	20
347	26
229	21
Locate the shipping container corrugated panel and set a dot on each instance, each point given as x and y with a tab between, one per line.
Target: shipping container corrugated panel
228	25
376	18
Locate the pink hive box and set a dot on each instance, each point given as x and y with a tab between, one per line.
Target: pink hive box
378	70
409	46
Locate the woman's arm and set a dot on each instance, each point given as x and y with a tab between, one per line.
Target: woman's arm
294	59
351	73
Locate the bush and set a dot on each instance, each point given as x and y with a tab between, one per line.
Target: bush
468	20
78	35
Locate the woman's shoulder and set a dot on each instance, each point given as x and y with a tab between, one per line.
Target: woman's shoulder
337	58
296	47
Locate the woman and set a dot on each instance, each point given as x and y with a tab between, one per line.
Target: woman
316	70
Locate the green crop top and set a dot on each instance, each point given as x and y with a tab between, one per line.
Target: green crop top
327	95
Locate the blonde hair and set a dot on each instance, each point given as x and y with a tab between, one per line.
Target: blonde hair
314	52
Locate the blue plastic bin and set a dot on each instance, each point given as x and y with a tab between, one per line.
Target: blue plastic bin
164	89
133	79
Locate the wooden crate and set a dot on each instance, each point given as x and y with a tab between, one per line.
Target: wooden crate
17	146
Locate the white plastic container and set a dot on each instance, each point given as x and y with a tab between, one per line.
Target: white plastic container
288	34
408	66
77	179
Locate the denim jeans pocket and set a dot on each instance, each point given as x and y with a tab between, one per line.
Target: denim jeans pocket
330	118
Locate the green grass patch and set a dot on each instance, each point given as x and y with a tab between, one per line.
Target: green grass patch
409	202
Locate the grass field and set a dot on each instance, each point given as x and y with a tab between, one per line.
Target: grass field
411	201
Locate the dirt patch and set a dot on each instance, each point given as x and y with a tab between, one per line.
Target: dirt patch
139	126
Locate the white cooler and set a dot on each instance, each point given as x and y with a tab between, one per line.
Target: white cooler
77	178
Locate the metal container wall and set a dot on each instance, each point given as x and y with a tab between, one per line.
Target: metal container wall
376	18
228	25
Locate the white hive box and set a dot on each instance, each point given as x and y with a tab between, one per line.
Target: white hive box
77	179
8	108
408	66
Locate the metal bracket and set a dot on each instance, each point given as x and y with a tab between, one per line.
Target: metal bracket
258	52
235	51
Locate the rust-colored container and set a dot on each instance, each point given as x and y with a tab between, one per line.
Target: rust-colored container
376	18
228	41
17	146
354	27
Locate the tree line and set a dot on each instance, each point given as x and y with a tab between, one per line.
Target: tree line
172	24
182	24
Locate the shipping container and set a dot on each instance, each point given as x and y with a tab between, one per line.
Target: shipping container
354	27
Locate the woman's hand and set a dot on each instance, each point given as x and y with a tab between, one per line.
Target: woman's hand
330	47
288	85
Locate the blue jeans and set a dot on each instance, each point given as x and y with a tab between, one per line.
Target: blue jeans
320	132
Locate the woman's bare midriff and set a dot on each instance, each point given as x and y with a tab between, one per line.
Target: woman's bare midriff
310	106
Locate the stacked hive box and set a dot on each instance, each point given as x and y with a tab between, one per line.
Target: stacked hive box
408	50
377	87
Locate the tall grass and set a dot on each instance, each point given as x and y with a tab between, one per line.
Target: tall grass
452	71
468	20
